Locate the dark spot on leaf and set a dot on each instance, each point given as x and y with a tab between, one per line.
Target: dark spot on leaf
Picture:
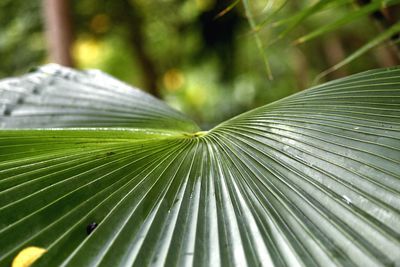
7	112
52	82
33	69
110	153
91	227
36	91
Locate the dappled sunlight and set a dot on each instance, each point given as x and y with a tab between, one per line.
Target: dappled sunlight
88	52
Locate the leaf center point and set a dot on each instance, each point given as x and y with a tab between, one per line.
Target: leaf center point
197	134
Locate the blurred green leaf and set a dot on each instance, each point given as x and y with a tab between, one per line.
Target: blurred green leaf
306	13
351	16
253	25
227	9
380	38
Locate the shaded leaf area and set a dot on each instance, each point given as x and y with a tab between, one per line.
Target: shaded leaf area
55	96
311	180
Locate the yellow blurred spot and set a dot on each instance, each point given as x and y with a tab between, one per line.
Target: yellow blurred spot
87	51
197	134
196	96
100	23
173	80
204	5
200	134
27	256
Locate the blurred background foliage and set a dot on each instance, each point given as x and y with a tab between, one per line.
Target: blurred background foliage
207	58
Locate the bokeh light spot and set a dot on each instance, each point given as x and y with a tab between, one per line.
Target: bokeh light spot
173	80
100	23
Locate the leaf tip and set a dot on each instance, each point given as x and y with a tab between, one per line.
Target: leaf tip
28	256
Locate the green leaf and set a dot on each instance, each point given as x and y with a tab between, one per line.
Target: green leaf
227	9
306	13
310	180
253	26
293	21
52	97
354	15
380	38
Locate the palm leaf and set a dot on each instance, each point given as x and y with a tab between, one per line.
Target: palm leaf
310	180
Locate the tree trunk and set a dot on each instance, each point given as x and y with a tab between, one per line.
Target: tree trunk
59	34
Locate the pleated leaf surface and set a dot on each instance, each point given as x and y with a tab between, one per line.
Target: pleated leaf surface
310	180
